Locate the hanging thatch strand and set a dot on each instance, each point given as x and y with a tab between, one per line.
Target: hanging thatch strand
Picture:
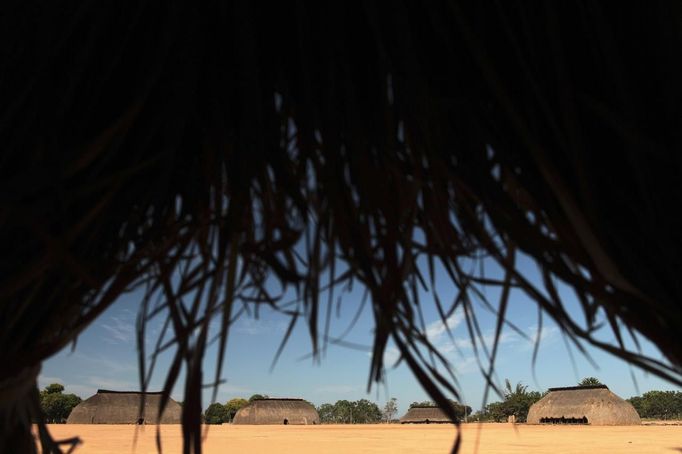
197	148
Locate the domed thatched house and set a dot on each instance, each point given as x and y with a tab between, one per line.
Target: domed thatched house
583	405
425	414
277	411
122	407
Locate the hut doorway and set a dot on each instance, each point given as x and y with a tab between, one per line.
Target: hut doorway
286	421
563	420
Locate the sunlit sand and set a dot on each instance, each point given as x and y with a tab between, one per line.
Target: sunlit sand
382	438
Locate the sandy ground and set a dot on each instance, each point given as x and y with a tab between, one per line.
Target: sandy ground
494	438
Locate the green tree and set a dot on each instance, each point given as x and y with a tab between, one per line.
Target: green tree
494	411
519	404
343	411
258	396
426	403
590	381
517	401
54	388
365	412
57	406
361	411
232	407
519	389
658	404
326	412
462	411
215	414
390	409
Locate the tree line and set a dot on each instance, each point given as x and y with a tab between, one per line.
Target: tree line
516	402
360	411
57	406
658	404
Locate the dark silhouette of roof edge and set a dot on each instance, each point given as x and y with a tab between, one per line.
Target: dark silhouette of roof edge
109	391
578	388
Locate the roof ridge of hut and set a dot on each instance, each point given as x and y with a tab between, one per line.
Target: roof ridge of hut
110	391
575	388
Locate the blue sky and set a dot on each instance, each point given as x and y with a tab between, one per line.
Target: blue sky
105	355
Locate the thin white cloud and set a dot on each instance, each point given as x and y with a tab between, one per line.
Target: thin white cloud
111	383
336	389
129	313
90	384
487	339
548	335
253	327
214	326
82	391
105	365
227	388
391	355
465	365
120	330
44	380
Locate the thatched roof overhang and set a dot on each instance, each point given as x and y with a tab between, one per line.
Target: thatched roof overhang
141	140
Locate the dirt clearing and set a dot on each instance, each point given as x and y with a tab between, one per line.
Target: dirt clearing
381	438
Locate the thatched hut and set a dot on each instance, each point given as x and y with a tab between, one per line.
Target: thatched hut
123	407
425	414
595	405
277	411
